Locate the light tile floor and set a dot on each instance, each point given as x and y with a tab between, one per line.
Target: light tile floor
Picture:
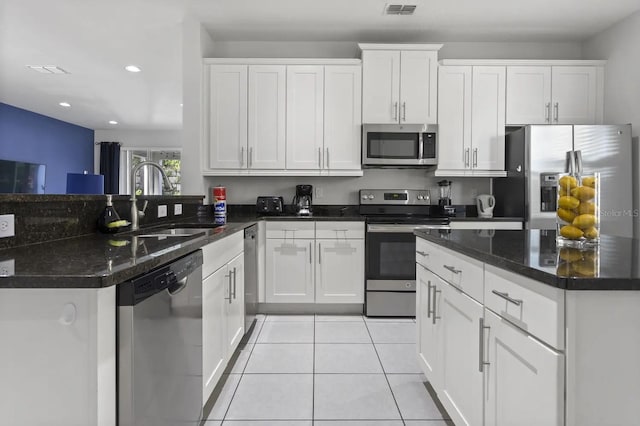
328	370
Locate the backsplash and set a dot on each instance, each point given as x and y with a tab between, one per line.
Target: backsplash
344	190
40	218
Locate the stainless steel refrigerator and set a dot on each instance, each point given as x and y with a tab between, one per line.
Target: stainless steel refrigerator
536	154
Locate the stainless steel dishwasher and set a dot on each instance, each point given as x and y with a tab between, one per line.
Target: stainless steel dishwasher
160	346
250	276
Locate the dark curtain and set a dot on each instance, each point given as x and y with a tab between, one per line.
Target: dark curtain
110	166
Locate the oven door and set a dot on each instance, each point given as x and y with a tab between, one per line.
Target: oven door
390	253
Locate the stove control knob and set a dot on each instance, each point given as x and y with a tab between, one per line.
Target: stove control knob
420	197
371	196
364	196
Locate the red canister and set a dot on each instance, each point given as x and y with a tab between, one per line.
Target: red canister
220	204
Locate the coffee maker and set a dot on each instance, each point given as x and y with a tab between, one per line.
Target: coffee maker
303	200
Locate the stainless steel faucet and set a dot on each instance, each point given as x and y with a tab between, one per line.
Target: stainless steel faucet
135	213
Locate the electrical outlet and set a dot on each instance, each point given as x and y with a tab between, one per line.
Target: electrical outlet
319	192
162	210
7	226
7	268
177	209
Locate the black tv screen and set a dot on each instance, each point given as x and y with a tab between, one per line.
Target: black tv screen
18	177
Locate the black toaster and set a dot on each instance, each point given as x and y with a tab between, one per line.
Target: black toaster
270	205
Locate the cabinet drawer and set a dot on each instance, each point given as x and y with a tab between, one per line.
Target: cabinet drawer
291	230
426	253
218	253
462	272
340	230
535	307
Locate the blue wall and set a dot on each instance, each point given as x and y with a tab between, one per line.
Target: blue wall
63	147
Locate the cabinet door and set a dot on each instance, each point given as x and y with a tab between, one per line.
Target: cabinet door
454	117
214	354
267	112
305	98
235	305
227	126
380	86
461	387
428	296
528	95
487	118
340	271
418	87
289	271
524	381
342	116
574	94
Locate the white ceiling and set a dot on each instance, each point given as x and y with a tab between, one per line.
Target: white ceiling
95	39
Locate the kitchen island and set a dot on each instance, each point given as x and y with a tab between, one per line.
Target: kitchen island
513	330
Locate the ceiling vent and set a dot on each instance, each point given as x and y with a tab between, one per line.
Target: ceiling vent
47	69
400	9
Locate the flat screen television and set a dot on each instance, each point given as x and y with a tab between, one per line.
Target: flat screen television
19	177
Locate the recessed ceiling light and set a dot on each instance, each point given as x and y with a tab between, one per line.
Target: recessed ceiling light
113	122
65	104
132	68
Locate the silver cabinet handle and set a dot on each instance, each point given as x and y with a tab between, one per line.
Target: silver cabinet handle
435	301
235	275
452	269
506	297
319	253
250	159
242	156
395	111
310	260
423	254
328	162
229	287
466	157
319	158
556	108
404	111
429	286
475	157
482	362
547	112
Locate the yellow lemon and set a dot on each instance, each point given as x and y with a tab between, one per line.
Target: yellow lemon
568	182
571	232
566	215
570	254
585	268
589	181
567	202
591	233
587	207
584	221
564	269
583	193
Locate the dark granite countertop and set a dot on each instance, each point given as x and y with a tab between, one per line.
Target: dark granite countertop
486	219
613	265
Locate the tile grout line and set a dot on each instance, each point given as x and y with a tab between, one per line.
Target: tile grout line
226	412
313	376
385	374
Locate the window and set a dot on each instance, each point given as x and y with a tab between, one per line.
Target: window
148	180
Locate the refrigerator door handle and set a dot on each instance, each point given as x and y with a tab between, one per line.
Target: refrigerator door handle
570	163
578	155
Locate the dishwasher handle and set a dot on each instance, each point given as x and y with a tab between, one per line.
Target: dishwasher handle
177	286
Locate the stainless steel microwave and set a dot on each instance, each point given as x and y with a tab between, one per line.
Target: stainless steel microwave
399	145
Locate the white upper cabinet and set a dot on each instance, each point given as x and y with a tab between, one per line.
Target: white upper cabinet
342	117
574	95
399	83
305	109
528	95
267	116
565	93
227	116
471	120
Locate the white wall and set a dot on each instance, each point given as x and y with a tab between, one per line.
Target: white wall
344	190
620	46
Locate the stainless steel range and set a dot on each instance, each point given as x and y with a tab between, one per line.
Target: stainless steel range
390	247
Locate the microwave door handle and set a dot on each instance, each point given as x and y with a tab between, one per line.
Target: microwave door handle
420	147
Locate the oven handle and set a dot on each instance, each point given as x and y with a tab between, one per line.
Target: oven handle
407	229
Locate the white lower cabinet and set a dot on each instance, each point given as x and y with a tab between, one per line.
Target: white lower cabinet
428	325
320	262
524	378
222	307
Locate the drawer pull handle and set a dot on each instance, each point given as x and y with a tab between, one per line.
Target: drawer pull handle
423	254
452	269
435	301
506	297
429	286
